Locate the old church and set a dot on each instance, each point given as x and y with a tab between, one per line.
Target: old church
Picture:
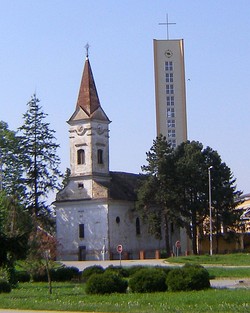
95	212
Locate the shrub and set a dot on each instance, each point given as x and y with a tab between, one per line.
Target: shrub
189	277
5	287
22	276
57	274
133	269
176	280
64	273
106	283
148	280
89	271
121	271
198	277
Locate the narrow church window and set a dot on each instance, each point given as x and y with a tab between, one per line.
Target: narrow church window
138	226
172	227
100	156
81	230
80	156
117	219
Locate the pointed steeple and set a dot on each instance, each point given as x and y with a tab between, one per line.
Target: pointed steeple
88	98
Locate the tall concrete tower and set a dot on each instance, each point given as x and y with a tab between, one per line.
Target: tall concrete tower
170	91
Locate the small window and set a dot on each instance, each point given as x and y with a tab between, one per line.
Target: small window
100	156
171	123
80	156
138	226
171	133
169	77
81	230
80	185
168	66
169	89
117	219
170	112
170	100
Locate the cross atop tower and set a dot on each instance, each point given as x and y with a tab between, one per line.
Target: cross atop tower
87	50
167	24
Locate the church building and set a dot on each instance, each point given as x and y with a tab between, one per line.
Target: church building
95	212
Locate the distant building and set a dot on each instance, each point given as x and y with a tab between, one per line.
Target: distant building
170	92
95	212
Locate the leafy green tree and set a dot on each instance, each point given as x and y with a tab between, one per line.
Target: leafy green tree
157	195
38	145
14	233
11	165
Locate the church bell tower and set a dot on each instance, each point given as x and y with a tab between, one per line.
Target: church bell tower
89	134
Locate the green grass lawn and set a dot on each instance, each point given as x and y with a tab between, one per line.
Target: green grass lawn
71	296
237	259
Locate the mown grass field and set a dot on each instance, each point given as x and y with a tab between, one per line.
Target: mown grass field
71	296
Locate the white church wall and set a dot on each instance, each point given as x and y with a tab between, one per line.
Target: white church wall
93	216
123	230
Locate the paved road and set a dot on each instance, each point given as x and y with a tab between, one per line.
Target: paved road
83	264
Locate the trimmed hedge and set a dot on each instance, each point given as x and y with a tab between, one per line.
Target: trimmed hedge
89	271
106	283
148	280
119	270
189	277
58	274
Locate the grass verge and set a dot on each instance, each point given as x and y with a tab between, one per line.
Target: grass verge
237	259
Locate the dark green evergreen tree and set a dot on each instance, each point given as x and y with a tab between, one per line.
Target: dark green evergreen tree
158	196
190	168
38	146
224	194
175	189
66	177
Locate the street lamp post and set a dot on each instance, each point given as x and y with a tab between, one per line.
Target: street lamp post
210	211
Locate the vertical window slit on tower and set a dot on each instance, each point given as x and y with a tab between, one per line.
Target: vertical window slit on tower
80	156
100	156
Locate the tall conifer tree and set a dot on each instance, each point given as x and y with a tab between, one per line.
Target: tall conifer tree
39	148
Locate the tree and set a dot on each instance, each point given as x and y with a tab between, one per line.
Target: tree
192	163
223	193
41	162
66	177
14	233
175	189
11	165
190	168
157	195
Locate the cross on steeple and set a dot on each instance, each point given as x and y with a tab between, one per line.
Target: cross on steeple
87	50
167	24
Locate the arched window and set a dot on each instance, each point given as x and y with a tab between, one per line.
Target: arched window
100	156
80	156
138	226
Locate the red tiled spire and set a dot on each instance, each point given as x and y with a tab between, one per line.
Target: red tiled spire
88	98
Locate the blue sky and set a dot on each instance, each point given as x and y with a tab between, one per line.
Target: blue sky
42	50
